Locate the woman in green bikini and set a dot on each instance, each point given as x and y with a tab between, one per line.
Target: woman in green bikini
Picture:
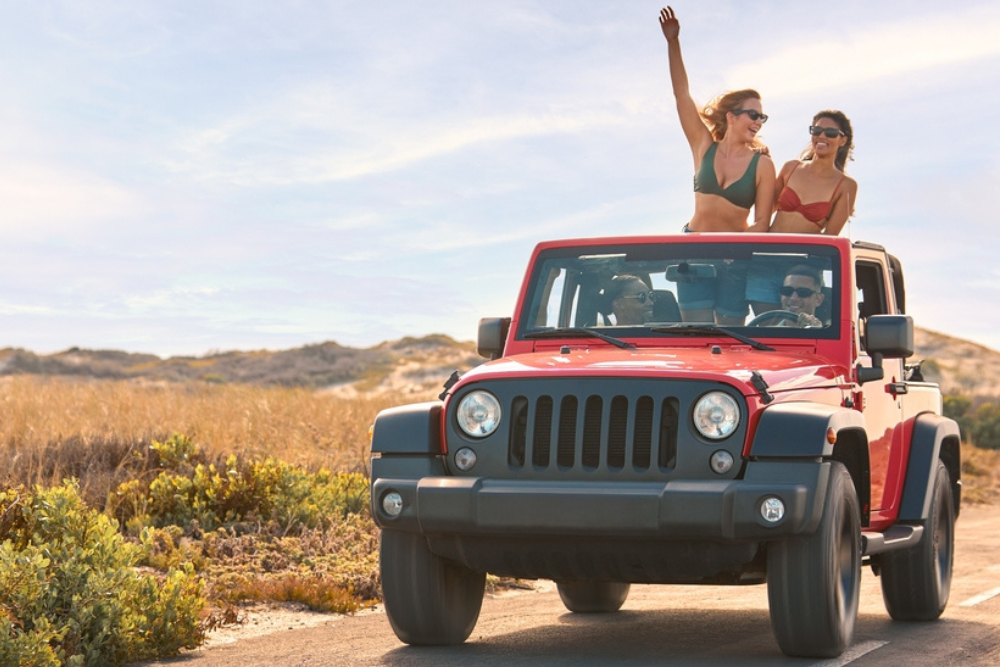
731	174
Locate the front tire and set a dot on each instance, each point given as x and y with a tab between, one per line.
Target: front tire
916	582
813	583
587	597
429	600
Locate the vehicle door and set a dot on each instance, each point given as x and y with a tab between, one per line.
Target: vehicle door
878	399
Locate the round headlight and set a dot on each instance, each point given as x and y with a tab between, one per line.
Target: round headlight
716	415
478	414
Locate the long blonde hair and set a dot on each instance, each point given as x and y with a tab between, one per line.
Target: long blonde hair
714	113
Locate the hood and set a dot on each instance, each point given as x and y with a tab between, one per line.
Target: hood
781	370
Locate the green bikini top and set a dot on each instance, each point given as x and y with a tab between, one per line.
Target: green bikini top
742	192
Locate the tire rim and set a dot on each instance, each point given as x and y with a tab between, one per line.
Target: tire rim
942	550
847	570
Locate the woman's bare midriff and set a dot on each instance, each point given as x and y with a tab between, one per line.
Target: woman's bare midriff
713	213
786	222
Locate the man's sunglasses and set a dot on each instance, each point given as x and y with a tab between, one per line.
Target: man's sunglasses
753	113
830	132
642	296
801	292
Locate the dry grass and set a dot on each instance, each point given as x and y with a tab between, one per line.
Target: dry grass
51	428
54	428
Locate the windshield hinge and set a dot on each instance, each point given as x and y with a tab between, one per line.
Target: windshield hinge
760	384
449	383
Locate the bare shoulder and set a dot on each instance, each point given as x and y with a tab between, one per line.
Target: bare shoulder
788	166
766	163
849	184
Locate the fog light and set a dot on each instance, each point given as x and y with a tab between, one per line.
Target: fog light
721	462
465	459
392	504
772	509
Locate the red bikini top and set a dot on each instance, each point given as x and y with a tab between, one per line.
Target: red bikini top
815	212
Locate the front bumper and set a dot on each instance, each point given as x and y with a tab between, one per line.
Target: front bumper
444	505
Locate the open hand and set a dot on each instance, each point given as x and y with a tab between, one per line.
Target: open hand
669	24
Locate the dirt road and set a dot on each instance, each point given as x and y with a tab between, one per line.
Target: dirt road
660	625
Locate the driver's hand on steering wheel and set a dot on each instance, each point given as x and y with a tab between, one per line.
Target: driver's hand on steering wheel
807	320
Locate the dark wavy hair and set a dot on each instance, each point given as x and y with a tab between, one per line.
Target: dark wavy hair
844	123
714	113
808	272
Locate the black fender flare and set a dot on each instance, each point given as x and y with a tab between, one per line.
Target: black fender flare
408	429
799	430
933	437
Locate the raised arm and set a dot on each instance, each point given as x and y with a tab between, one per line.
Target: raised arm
843	208
698	136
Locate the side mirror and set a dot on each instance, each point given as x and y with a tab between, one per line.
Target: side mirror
886	337
492	336
889	335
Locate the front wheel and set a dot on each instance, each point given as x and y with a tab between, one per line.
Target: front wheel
813	583
429	600
916	581
592	597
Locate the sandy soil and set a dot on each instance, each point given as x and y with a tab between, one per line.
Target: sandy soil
264	619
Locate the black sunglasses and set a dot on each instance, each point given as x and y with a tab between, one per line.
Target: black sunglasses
753	113
830	132
802	292
642	296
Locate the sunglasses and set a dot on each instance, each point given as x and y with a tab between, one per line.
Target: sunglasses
642	296
830	132
801	292
753	113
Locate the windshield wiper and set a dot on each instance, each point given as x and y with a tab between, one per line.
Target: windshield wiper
579	332
695	329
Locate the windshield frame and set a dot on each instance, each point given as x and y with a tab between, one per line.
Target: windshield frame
604	256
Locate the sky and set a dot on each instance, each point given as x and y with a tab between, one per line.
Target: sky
181	178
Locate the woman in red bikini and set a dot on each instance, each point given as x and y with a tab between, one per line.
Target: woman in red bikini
731	174
815	196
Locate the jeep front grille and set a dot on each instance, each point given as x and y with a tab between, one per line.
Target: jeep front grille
593	432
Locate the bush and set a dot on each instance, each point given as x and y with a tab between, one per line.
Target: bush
985	429
203	497
70	593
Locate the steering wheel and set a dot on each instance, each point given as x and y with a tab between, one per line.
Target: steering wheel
779	315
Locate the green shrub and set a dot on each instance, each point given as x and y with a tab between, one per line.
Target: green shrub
206	496
70	593
985	428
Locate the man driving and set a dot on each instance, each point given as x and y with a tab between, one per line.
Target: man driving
802	294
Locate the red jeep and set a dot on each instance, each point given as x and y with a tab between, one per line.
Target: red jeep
599	447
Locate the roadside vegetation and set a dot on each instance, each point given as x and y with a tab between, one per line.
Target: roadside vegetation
136	517
208	495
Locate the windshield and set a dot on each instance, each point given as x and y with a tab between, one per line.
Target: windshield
685	289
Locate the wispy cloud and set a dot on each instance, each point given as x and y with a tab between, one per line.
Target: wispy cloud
881	53
378	145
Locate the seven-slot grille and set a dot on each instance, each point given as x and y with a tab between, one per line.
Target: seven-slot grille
592	432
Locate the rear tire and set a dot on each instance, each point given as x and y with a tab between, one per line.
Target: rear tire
916	582
587	597
429	600
813	583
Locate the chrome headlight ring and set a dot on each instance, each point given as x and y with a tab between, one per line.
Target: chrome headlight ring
478	414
